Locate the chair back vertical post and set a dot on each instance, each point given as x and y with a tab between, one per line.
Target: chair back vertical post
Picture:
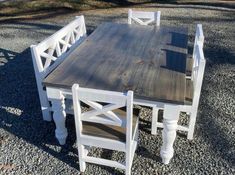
199	39
158	18
198	72
129	16
198	75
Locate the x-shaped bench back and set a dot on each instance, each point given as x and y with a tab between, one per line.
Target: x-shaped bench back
49	50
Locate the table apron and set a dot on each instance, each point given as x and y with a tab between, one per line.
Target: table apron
55	93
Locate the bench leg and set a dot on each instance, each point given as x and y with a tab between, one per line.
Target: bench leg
192	121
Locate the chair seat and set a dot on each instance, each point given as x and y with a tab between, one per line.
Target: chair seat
110	131
189	92
189	66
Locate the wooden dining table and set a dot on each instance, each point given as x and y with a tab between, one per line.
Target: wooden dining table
150	60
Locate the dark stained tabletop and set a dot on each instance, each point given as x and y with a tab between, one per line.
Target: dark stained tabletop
149	60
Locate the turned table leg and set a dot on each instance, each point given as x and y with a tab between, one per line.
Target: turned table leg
170	119
59	116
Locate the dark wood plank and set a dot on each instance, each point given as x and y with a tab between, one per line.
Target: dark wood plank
189	66
151	61
189	92
111	131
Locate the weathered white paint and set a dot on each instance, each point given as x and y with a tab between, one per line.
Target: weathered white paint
197	78
144	18
170	119
115	100
51	52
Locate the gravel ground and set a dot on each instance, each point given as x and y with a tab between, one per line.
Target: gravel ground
28	145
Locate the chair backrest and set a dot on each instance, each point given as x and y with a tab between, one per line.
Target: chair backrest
103	104
198	73
52	51
144	18
199	38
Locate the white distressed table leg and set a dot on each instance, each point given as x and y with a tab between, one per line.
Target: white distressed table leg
170	119
58	107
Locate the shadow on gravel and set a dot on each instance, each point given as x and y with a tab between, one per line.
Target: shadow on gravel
35	15
20	108
214	135
6	55
219	55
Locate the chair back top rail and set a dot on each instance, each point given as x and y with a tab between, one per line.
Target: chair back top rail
138	15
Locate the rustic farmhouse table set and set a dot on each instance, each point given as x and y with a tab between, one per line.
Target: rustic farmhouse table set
151	61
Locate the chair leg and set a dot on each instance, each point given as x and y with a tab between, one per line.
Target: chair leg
81	154
46	114
128	162
154	121
192	122
45	106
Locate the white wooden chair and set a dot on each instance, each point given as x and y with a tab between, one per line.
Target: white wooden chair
48	54
144	18
199	38
110	124
193	92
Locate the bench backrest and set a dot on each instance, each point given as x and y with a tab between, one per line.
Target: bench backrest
50	52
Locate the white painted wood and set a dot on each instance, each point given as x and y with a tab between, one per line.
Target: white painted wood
154	121
170	119
179	127
45	106
48	54
144	18
104	162
115	100
58	107
199	64
199	37
198	79
103	143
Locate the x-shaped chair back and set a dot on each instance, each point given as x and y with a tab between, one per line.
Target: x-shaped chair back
102	105
101	126
144	18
